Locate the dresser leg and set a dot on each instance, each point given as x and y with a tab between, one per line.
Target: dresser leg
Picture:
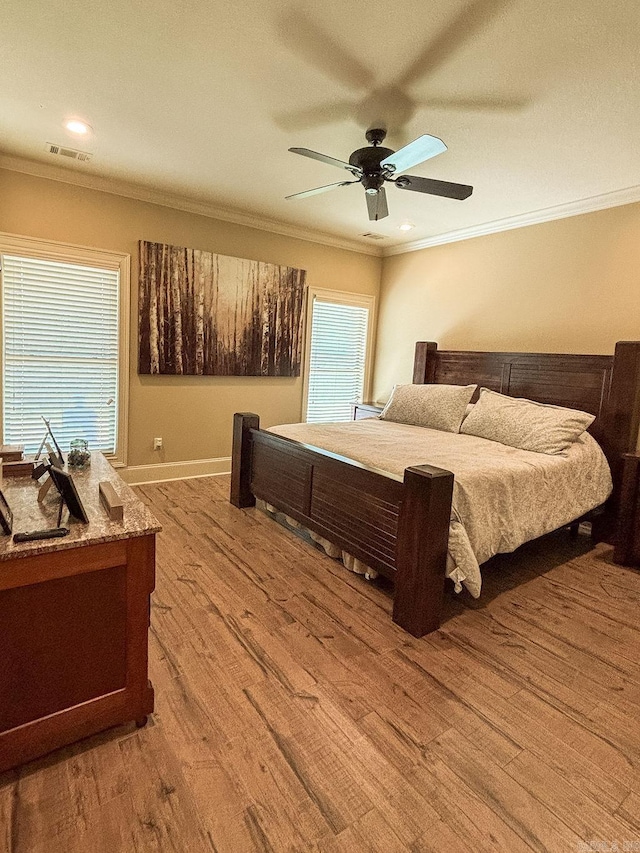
141	722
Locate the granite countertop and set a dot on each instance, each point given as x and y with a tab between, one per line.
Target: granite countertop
21	494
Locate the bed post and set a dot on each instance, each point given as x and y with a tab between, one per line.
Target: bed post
622	418
424	363
620	437
627	544
421	556
241	494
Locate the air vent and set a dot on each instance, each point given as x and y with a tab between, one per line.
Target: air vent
374	236
71	153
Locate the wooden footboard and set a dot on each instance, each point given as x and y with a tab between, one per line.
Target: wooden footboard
398	526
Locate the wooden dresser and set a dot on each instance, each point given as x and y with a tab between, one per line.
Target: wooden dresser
74	618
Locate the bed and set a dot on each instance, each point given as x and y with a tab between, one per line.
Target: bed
399	520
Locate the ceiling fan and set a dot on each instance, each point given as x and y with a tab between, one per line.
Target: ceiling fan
374	165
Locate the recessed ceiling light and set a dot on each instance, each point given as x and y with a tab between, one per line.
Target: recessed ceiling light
406	226
76	125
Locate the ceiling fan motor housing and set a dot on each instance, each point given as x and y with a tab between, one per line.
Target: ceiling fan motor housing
368	159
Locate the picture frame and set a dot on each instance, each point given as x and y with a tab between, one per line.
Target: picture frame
6	516
205	314
56	459
69	494
55	455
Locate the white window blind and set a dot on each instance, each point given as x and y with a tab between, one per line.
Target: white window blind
337	360
60	352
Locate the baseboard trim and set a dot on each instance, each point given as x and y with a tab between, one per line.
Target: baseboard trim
138	475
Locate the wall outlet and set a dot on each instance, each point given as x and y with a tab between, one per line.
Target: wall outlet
157	444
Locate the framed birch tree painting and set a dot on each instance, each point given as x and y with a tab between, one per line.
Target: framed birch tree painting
204	314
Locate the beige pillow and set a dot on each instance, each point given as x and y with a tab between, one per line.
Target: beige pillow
435	406
525	424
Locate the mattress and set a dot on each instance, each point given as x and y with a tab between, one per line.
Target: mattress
502	496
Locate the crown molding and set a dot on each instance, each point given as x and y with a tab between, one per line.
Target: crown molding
177	202
617	198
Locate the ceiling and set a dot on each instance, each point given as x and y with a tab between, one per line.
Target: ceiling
538	102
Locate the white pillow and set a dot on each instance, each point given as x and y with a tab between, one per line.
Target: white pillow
525	424
435	406
468	411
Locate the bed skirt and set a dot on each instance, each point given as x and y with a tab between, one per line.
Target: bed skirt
349	561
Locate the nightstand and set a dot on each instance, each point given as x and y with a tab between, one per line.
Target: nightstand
365	410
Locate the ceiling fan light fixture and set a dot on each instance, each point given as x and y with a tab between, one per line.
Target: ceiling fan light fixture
372	190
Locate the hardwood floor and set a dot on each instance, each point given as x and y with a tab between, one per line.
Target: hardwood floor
292	715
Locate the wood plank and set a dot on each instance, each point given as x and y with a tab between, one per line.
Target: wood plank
503	652
369	834
164	816
601	744
468	704
584	817
525	815
470	820
629	810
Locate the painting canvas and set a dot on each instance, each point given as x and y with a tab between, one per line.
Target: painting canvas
212	315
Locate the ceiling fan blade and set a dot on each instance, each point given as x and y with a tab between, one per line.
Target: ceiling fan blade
475	104
427	185
305	119
473	16
317	47
331	161
377	205
319	190
421	149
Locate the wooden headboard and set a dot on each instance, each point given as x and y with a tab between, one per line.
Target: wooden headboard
608	386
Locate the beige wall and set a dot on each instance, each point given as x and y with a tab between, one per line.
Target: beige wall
192	414
572	285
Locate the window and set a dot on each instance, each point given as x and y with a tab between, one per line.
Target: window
338	354
65	331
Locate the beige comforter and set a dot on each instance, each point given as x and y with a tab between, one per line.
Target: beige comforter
502	497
